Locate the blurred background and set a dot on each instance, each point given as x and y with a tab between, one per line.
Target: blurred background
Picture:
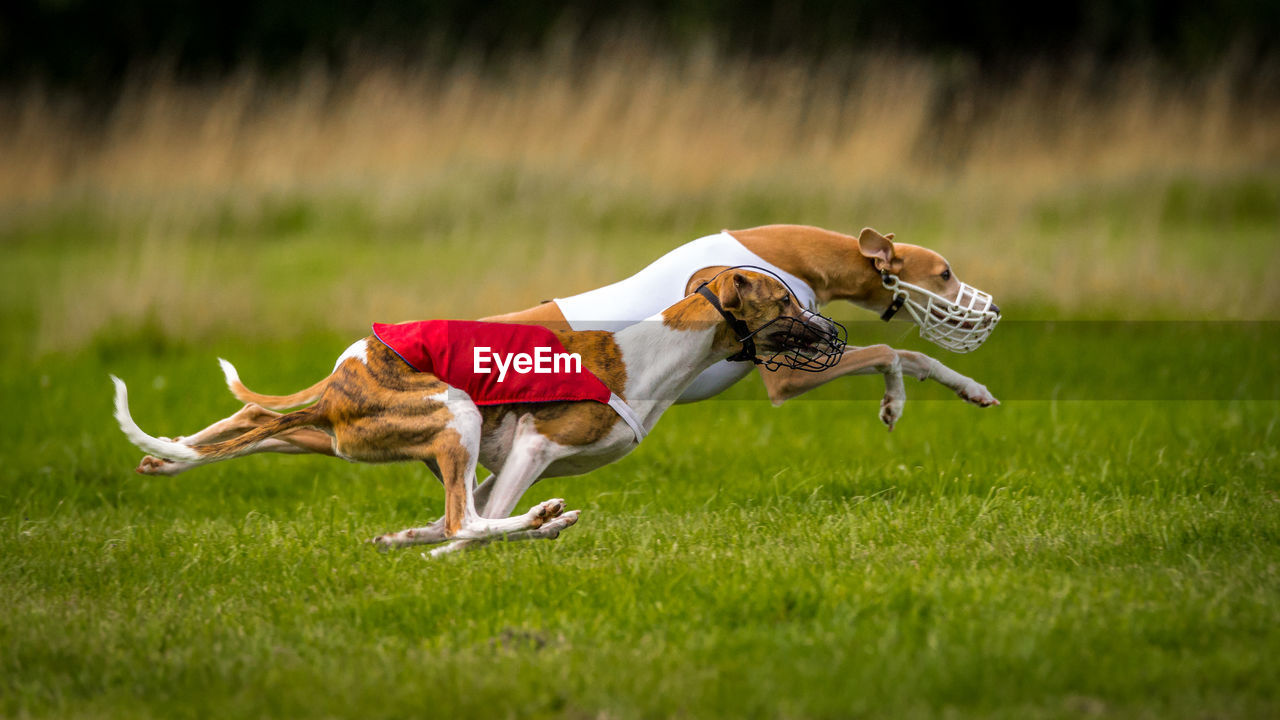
191	171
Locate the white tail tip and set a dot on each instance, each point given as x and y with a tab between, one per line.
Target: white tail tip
229	371
167	449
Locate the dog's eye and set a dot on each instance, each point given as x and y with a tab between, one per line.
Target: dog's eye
786	298
946	274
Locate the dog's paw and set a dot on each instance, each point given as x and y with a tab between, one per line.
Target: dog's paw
891	409
383	543
552	529
976	393
541	513
151	465
394	540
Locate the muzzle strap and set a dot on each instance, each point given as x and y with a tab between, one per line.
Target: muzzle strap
893	308
801	346
899	298
740	329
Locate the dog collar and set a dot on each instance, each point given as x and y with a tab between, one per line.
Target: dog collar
740	329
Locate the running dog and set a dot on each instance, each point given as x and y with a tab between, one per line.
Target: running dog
379	405
820	266
869	271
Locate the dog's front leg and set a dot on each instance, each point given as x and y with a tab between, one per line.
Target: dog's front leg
893	364
529	456
452	455
549	531
471	527
786	383
922	367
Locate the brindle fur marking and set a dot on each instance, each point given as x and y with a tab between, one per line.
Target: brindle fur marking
380	410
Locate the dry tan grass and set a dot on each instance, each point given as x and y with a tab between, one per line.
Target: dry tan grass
632	114
632	120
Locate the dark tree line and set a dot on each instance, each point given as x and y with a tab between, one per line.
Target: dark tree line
92	43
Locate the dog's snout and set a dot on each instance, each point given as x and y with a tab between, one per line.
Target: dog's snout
821	325
995	308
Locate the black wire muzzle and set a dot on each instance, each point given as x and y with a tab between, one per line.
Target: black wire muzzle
802	346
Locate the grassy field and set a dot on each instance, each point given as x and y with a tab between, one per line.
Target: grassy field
1042	559
1105	543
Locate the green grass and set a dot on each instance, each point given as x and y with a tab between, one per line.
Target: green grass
1041	559
1106	543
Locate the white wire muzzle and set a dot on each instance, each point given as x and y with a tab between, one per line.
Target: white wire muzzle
961	325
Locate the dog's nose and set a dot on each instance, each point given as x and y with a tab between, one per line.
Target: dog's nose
995	308
824	326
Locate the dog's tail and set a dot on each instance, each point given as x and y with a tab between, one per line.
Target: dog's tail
273	402
200	454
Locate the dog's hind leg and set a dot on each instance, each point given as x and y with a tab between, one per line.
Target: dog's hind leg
152	465
243	444
250	417
253	416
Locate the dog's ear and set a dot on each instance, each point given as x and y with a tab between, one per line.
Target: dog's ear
734	285
877	247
